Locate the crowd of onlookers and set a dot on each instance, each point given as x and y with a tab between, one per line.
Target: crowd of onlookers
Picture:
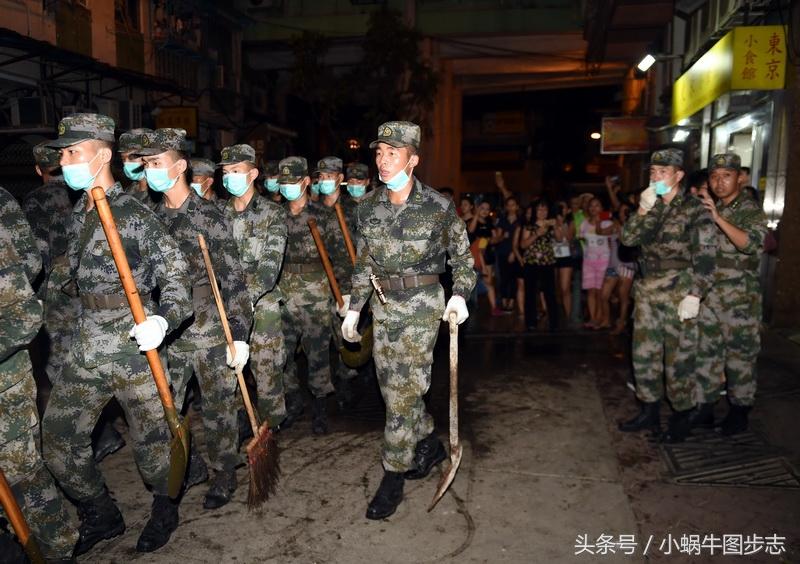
553	264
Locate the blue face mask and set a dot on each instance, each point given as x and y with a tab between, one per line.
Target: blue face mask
661	187
77	176
158	178
197	187
314	188
134	171
236	183
356	190
327	187
291	191
272	184
398	181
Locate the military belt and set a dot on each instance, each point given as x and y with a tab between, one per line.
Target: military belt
395	283
750	263
103	301
302	267
657	266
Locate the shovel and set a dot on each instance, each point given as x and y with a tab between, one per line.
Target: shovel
179	445
14	515
456	449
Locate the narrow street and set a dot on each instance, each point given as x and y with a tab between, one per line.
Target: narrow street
543	463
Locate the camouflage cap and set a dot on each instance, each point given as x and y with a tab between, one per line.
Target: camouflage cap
398	134
271	168
131	141
237	154
45	156
329	164
163	140
725	160
667	157
203	167
78	128
292	169
357	171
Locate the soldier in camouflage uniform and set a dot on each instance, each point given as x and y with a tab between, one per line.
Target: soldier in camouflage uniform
405	233
357	187
200	346
678	244
730	316
42	504
132	165
307	296
330	179
105	361
271	182
203	180
259	229
48	210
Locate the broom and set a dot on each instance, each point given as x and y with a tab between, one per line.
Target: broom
262	449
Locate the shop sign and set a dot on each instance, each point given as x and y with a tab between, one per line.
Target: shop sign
184	117
621	135
746	58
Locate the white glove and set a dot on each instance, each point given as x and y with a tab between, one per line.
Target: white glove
459	306
689	308
349	327
342	311
648	198
241	357
150	332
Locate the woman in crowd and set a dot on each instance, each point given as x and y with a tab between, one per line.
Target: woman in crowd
482	234
563	234
511	282
536	243
596	254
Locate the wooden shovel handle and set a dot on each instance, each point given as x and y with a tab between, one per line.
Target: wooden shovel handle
17	520
453	379
326	262
348	240
129	285
226	328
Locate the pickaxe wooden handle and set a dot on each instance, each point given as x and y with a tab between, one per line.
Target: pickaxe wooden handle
18	522
326	262
348	240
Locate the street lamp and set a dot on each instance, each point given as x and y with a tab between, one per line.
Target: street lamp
595	135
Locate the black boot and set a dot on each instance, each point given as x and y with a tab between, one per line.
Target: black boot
736	421
222	487
678	427
245	430
198	470
388	496
428	453
648	418
109	442
702	416
163	520
319	421
100	520
294	409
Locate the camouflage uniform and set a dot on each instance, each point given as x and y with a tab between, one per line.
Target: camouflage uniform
131	142
199	347
105	362
42	504
337	250
393	242
260	234
307	305
730	316
678	245
206	167
48	210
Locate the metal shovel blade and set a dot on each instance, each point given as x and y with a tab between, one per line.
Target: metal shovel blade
178	454
447	478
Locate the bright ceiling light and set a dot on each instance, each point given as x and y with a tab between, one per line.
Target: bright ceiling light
595	135
646	63
680	136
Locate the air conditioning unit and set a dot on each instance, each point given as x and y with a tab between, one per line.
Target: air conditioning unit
30	111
